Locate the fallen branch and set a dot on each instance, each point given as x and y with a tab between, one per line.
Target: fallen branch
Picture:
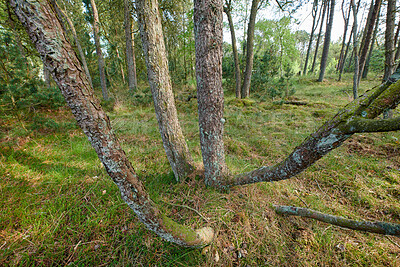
297	103
372	227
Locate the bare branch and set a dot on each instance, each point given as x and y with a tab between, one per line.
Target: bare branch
361	125
367	226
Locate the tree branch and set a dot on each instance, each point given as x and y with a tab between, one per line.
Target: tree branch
361	125
367	226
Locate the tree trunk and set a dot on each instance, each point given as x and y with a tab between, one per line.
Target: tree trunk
314	15
160	83
210	96
130	54
371	49
227	10
355	51
369	29
327	42
57	54
250	49
389	39
346	27
325	6
99	53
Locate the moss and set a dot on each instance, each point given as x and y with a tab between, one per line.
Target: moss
189	236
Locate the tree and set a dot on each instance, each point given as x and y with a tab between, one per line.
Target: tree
324	8
210	95
96	24
130	54
327	41
376	28
160	83
355	51
313	28
389	39
346	19
57	54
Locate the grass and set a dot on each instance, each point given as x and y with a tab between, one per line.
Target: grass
59	207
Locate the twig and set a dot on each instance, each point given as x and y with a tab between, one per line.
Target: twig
321	189
394	243
189	208
367	226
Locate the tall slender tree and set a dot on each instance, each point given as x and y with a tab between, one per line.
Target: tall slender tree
160	83
313	28
324	8
129	42
327	41
346	18
355	51
371	49
210	96
389	39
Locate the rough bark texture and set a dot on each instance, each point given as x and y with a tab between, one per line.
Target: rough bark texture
96	23
314	15
159	79
227	11
372	227
210	96
389	39
63	15
57	54
355	51
324	8
46	76
331	135
365	45
130	54
250	49
327	42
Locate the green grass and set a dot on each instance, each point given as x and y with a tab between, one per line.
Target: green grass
59	207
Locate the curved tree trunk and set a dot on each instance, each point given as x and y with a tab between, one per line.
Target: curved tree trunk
130	54
159	79
99	53
210	96
250	49
327	42
227	11
57	54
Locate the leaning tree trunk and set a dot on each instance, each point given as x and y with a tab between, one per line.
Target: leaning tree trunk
250	49
210	96
327	42
325	6
159	79
389	39
99	53
314	15
130	54
227	11
63	14
46	33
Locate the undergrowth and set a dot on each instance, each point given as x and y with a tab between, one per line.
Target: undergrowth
59	207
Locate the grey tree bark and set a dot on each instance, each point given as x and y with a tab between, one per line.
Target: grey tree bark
129	42
96	23
57	54
324	8
327	42
389	39
210	95
371	49
227	10
355	51
160	83
249	49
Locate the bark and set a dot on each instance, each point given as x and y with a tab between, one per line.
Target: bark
369	29
250	49
227	10
160	83
372	227
96	23
61	14
46	75
327	42
371	49
331	135
313	27
389	39
130	52
45	31
355	51
325	6
346	19
210	96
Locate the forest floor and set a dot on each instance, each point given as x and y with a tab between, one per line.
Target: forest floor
59	207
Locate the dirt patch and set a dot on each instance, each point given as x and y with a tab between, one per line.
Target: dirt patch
364	145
